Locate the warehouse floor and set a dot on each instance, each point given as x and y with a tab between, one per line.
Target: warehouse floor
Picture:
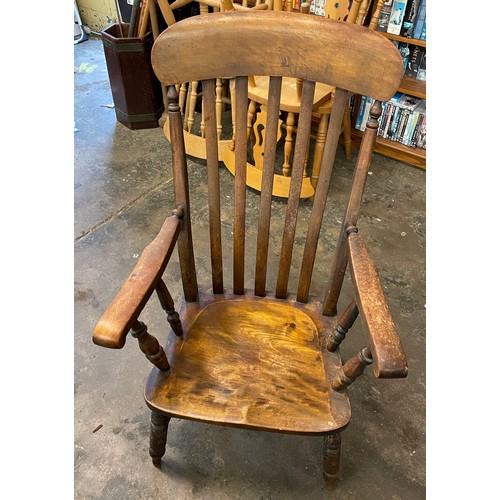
123	191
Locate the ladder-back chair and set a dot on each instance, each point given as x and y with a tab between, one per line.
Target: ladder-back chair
258	356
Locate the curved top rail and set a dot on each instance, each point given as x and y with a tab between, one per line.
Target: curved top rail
223	45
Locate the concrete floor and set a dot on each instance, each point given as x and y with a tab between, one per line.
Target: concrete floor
123	191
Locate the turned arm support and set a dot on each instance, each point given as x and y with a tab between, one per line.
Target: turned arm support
389	359
122	313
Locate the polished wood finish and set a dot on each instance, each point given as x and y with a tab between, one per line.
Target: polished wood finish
252	362
294	195
344	323
342	51
321	193
352	210
150	346
213	185
266	188
167	304
243	356
352	369
240	150
385	345
125	308
181	193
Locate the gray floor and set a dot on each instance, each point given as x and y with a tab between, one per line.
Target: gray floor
122	193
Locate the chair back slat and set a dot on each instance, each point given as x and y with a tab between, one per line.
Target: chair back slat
352	210
299	158
273	111
211	142
240	150
321	193
351	58
181	194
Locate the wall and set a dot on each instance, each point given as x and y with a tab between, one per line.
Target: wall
97	14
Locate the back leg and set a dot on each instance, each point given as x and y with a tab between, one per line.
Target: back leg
331	458
158	437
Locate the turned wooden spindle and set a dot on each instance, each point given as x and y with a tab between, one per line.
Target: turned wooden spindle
344	323
218	107
290	122
192	104
150	346
252	109
182	97
168	306
352	369
202	121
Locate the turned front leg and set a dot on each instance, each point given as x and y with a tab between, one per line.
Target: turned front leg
158	437
331	457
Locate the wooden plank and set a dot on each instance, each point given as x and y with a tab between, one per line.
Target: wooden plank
213	184
299	158
320	197
181	194
267	185
241	89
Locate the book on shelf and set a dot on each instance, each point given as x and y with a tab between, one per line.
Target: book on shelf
400	116
422	134
419	23
409	18
360	112
366	113
396	18
384	16
404	50
423	36
422	67
416	53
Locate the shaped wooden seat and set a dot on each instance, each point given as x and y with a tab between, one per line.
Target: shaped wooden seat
242	361
262	357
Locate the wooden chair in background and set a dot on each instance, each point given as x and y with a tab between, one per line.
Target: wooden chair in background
251	357
190	92
360	12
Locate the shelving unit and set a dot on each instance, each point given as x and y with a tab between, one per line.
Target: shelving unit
396	150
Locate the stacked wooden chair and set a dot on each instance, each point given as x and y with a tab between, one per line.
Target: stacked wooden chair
259	356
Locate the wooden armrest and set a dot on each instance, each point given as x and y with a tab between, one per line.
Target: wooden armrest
387	351
112	328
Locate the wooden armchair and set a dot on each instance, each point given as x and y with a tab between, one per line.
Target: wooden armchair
250	357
